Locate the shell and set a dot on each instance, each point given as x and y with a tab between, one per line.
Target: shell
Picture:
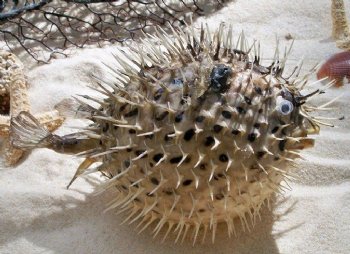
191	133
337	67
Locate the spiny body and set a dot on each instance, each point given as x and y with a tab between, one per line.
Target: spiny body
192	132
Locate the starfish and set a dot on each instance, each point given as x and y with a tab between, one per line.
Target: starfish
14	99
341	31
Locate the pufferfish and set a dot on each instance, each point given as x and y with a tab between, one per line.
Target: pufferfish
191	133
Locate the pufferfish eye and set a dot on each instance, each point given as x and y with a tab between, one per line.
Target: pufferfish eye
283	106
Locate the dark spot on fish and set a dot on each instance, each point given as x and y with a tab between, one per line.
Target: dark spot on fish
162	116
275	129
157	157
175	160
168	192
260	154
122	107
128	150
251	137
158	94
139	152
247	100
209	141
154	180
223	157
284	131
132	113
151	164
199	119
201	210
188	159
221	175
189	134
187	182
282	145
258	90
105	127
126	163
241	110
276	158
202	166
178	117
150	136
226	114
235	132
132	131
217	128
219	196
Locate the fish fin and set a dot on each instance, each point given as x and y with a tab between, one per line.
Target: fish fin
82	167
27	133
74	108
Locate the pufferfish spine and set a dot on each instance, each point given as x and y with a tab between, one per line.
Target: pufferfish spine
192	132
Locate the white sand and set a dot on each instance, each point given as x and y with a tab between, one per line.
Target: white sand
38	215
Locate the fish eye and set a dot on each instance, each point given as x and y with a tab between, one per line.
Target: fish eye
285	107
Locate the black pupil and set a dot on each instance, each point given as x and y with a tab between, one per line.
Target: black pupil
285	108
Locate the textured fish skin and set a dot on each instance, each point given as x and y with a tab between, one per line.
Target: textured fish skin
337	68
192	133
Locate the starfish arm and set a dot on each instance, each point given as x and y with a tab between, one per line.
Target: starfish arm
19	100
51	119
14	84
4	125
12	155
341	31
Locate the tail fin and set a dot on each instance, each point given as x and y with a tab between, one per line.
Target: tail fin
27	133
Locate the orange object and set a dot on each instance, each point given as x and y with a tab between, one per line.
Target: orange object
336	68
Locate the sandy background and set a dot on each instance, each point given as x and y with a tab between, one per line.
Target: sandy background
38	215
